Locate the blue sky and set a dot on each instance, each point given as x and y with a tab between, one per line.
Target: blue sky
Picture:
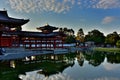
103	15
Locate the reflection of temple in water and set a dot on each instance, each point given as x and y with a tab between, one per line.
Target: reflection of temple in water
49	63
93	58
58	63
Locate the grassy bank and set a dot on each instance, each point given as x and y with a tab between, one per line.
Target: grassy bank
117	50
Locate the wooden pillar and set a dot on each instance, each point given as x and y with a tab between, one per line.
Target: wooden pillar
30	43
17	42
11	41
50	43
54	43
25	43
19	39
41	43
62	43
46	43
35	43
0	37
0	40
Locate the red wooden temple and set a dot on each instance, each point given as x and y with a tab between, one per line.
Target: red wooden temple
11	34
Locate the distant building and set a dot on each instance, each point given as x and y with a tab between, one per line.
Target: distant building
90	43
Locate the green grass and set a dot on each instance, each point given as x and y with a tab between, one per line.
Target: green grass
117	50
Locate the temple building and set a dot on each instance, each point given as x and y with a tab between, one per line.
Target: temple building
9	24
11	34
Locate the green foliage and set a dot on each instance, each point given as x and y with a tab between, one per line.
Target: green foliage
67	31
70	39
96	36
118	44
80	35
112	38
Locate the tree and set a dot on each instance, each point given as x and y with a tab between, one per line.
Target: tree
67	31
96	36
70	39
80	35
118	44
112	38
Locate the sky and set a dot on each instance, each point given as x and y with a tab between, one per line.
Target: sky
103	15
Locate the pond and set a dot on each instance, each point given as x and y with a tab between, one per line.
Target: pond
88	65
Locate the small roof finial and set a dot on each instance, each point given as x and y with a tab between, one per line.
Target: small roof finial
46	24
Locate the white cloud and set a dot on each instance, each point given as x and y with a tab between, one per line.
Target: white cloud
108	19
108	4
41	5
102	4
60	6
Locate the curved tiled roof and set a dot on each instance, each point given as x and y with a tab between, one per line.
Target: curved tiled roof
5	19
47	28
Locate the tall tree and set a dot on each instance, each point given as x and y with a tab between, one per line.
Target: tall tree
112	38
80	35
96	36
70	37
67	31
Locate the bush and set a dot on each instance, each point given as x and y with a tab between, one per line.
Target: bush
118	44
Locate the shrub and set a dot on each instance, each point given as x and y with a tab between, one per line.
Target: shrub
118	43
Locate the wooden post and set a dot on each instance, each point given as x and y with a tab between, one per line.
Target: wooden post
50	43
62	43
54	43
0	41
35	43
46	43
30	43
40	43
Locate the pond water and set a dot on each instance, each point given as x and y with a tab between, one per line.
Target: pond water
88	65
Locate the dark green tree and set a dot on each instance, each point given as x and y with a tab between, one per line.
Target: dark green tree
118	44
112	38
96	36
67	31
70	39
